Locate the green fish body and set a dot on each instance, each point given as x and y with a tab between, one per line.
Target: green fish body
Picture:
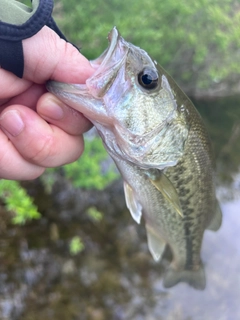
160	145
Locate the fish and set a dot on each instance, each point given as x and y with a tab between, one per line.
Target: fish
161	147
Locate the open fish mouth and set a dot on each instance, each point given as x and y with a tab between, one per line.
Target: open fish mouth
103	59
99	64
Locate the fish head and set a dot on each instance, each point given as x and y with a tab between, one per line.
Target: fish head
131	103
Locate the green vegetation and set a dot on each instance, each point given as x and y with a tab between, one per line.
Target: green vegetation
76	245
88	172
18	202
94	214
196	41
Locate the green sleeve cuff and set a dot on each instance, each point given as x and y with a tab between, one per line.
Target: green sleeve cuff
15	12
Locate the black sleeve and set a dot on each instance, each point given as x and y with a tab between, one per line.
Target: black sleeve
11	36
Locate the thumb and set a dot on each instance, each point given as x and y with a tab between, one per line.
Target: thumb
47	56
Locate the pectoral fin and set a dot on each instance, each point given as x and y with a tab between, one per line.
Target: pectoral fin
133	204
156	244
165	186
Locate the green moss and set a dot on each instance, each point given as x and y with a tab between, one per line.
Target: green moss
94	214
76	245
18	202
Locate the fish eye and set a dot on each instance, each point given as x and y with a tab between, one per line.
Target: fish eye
148	79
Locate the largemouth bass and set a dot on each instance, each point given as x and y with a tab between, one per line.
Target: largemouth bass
160	145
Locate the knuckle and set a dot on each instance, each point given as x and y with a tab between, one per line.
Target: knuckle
43	151
5	152
4	162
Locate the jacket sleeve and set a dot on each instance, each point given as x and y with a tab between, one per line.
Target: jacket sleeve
19	22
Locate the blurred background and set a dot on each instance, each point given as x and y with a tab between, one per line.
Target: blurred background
69	249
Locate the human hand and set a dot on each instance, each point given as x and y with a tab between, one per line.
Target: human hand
36	129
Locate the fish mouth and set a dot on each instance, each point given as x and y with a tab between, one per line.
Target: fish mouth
113	39
99	64
80	96
107	65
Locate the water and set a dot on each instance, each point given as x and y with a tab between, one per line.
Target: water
221	254
115	276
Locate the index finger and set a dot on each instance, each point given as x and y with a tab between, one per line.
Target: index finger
46	56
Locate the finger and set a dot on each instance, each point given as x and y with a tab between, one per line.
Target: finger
27	98
61	115
12	165
37	141
11	85
46	56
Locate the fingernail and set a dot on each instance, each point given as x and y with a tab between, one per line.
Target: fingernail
52	111
11	122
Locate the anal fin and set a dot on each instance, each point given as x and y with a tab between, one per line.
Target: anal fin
156	244
133	204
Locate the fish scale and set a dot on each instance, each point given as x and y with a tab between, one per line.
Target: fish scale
161	147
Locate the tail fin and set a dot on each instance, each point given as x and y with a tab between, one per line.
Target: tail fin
195	278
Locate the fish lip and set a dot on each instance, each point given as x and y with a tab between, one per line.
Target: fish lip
113	38
98	64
